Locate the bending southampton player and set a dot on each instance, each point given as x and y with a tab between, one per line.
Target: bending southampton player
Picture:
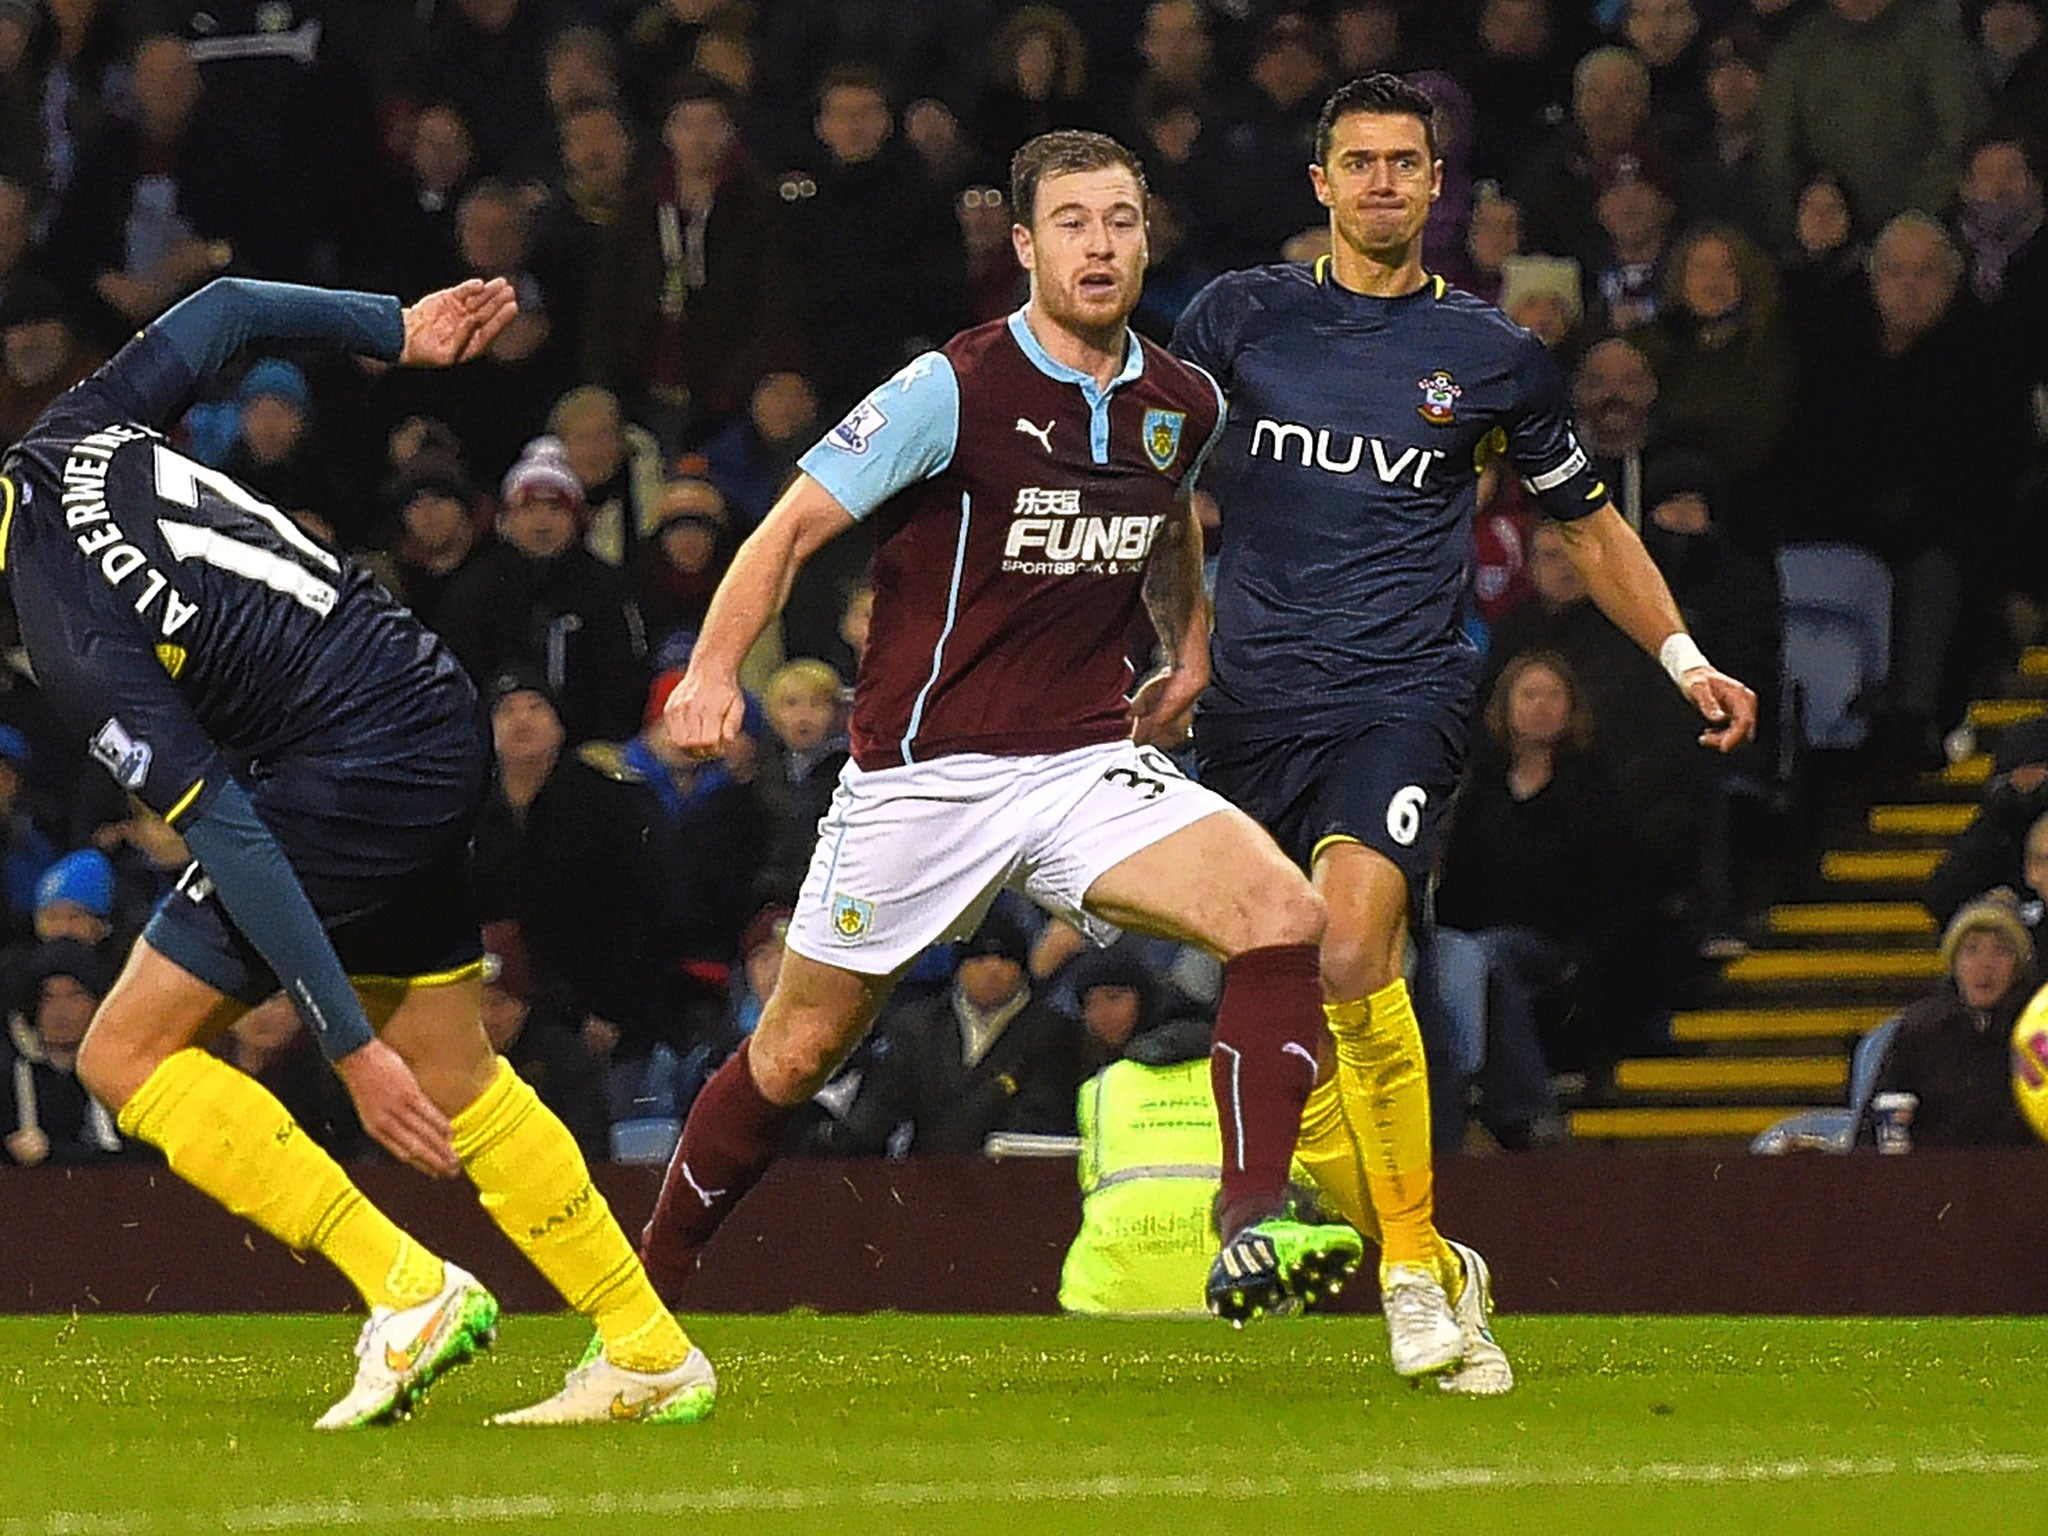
325	756
1366	396
1030	487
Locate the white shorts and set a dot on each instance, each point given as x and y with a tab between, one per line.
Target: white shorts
911	856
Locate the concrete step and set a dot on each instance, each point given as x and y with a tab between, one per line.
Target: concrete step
1842	919
1706	1026
1682	1123
1733	1076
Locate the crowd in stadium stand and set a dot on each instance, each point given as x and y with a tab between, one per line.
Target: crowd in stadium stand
1789	252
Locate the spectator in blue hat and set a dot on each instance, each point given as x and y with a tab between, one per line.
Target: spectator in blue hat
75	898
275	452
24	851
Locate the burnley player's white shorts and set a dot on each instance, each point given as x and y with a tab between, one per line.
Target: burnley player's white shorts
911	856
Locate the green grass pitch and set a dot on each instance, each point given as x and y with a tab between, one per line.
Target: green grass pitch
1015	1426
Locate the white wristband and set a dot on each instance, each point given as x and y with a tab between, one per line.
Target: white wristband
1679	654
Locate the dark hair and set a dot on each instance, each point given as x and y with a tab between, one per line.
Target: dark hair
1061	153
1578	734
693	85
851	77
1381	95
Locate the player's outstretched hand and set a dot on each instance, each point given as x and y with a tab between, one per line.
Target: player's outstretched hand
396	1111
453	325
704	714
1729	707
1159	706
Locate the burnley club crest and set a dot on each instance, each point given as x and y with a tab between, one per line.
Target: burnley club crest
1162	436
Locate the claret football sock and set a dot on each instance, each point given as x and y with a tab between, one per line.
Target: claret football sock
1384	1082
731	1137
533	1182
226	1135
1268	1027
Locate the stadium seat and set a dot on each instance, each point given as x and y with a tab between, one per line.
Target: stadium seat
1833	1130
1838	640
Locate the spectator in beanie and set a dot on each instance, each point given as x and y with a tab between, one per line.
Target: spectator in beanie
441	531
675	572
526	739
537	599
47	1114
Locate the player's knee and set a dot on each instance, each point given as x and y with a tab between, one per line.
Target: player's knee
793	1062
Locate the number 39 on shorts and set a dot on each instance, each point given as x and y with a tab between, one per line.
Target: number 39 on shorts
1404	813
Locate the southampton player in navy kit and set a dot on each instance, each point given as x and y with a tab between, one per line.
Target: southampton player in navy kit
1365	397
1030	485
324	756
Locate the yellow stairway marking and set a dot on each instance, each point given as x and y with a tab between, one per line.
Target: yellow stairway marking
1840	917
1833	965
1935	820
1879	864
1722	1024
2034	661
1654	1124
1733	1074
1971	770
1993	713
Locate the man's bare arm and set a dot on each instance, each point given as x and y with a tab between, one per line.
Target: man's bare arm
1180	612
1626	585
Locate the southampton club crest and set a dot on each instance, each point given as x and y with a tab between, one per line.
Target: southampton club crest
1439	393
852	917
1162	436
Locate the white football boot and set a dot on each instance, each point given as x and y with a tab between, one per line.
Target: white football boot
1484	1372
598	1392
1422	1334
399	1354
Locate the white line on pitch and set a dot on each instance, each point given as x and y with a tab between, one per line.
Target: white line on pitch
505	1509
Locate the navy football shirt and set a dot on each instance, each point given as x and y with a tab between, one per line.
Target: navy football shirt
1348	473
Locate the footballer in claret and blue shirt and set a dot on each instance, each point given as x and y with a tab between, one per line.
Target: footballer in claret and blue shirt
1349	474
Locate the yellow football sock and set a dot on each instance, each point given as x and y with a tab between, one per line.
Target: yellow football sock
1384	1083
224	1134
533	1181
1329	1154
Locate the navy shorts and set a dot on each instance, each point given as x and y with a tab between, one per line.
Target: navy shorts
1385	783
379	837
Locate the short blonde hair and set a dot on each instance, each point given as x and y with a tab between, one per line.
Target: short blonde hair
803	678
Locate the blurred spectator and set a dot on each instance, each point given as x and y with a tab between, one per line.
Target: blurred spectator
17	232
691	301
1635	212
41	352
1720	167
1177	50
1249	171
532	1022
660	40
25	852
56	82
995	282
677	570
1038	80
1920	365
537	599
1174	271
986	1056
1492	236
1953	1047
856	612
1883	94
441	532
1518	76
1536	881
526	743
270	1043
619	467
2012	46
1991	851
799	769
754	458
580	65
927	47
1668	36
1721	352
1613	395
75	899
1167	125
571	226
49	1115
488	57
1365	38
276	453
1824	279
884	269
146	852
406	244
149	215
762	946
942	145
1999	222
1560	186
1544	295
648	860
1443	237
